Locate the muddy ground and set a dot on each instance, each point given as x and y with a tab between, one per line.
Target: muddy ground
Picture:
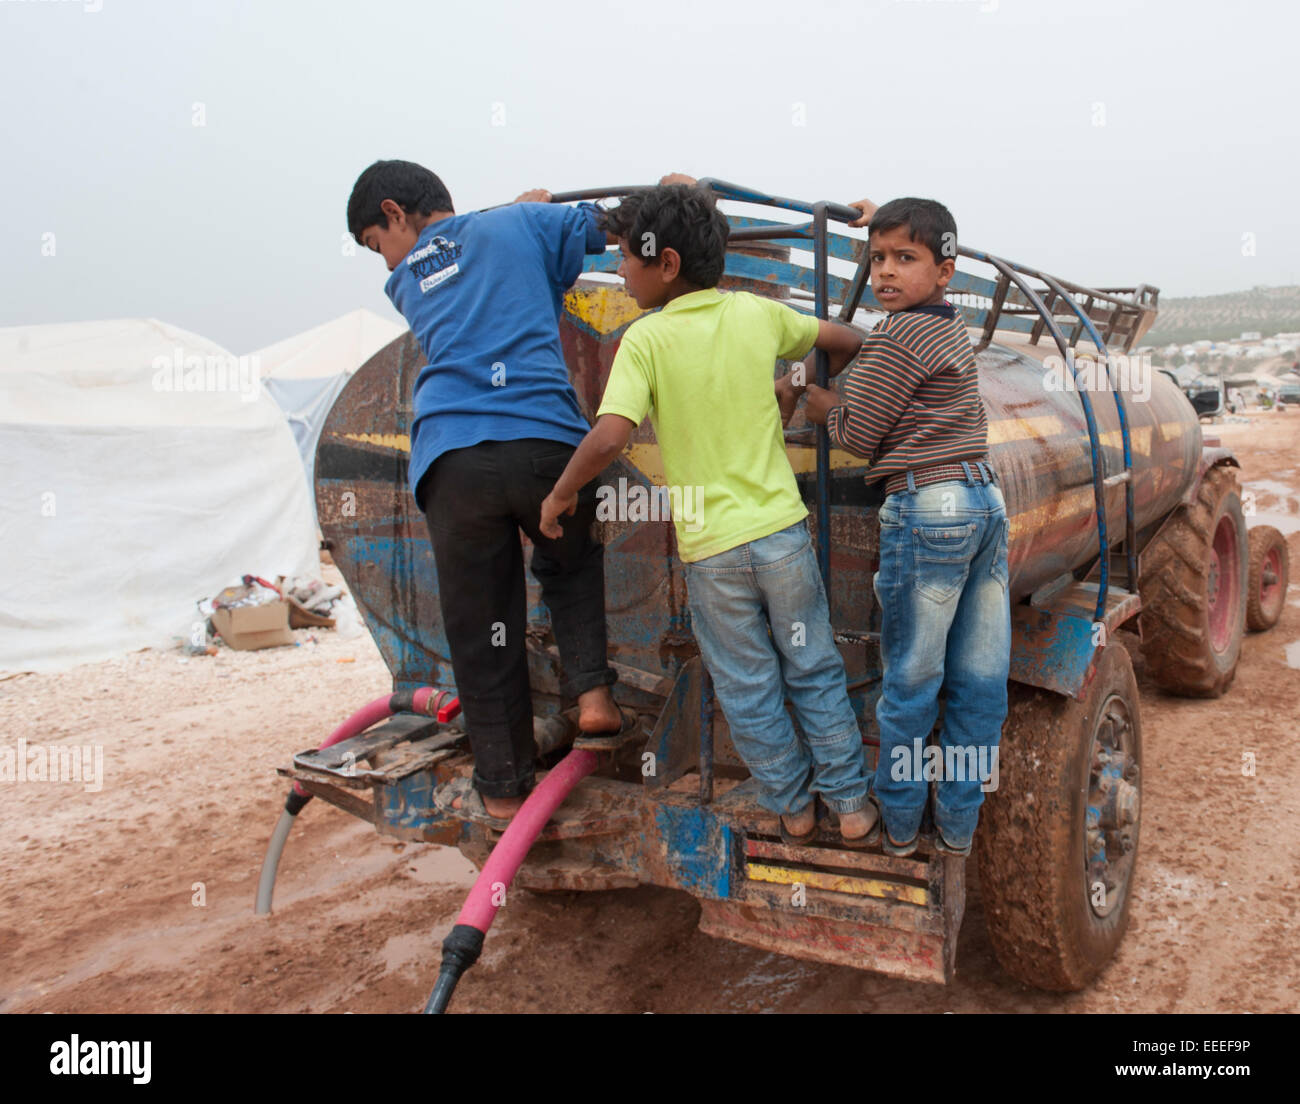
139	897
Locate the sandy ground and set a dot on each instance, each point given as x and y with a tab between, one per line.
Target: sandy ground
138	897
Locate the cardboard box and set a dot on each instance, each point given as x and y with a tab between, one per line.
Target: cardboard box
300	617
247	628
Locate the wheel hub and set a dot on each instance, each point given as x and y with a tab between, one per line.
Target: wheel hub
1270	574
1114	808
1222	587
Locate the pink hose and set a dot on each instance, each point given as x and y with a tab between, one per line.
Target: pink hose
525	827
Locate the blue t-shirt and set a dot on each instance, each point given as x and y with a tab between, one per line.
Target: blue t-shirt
482	293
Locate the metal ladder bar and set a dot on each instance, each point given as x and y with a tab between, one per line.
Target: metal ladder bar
821	305
1098	458
1009	274
1121	409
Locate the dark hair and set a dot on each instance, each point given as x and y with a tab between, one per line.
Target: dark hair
675	216
412	187
927	221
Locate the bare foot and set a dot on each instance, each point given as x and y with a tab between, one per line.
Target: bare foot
853	826
800	824
597	711
503	807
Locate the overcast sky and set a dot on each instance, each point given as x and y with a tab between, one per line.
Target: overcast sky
1108	142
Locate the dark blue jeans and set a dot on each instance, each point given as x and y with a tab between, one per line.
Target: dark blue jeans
476	501
946	622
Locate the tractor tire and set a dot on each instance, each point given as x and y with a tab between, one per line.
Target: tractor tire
1270	571
1193	585
1054	920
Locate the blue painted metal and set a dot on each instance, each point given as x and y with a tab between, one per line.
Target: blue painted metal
725	190
1051	649
706	736
788	275
698	845
1055	642
778	273
821	275
406	806
841	247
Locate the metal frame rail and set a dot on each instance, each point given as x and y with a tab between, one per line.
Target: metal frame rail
1121	309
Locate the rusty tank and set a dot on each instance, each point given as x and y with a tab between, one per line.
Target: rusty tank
1038	439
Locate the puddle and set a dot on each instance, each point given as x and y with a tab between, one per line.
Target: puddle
435	865
1270	487
771	978
1293	654
407	948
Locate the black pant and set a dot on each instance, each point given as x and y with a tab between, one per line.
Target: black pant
476	500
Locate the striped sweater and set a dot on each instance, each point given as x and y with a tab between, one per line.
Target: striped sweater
911	399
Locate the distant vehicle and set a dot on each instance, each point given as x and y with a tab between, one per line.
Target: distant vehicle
1289	393
1208	396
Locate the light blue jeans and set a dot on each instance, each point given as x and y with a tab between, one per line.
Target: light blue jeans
760	616
945	622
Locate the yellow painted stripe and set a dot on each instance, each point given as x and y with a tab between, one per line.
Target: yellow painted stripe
1021	429
399	441
839	883
803	458
1062	505
1002	430
605	310
648	460
1170	430
1139	440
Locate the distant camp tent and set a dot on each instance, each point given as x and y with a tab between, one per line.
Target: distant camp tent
305	373
144	468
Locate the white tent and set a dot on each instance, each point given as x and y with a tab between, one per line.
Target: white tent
305	373
142	468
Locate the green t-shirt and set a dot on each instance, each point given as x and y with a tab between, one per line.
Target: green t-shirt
702	368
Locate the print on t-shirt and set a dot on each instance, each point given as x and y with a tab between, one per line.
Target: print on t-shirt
435	263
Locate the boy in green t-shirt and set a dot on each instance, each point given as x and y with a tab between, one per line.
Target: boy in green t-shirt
701	368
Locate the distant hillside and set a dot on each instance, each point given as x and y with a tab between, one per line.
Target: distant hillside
1269	310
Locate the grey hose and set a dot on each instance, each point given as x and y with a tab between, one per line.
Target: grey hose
266	883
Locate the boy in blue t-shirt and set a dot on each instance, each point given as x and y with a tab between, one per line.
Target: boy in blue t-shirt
495	420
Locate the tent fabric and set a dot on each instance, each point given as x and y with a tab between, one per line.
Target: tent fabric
305	404
306	372
142	468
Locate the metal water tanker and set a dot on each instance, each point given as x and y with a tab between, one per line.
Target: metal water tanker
1121	518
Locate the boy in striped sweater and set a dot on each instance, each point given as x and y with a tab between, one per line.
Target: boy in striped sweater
911	405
